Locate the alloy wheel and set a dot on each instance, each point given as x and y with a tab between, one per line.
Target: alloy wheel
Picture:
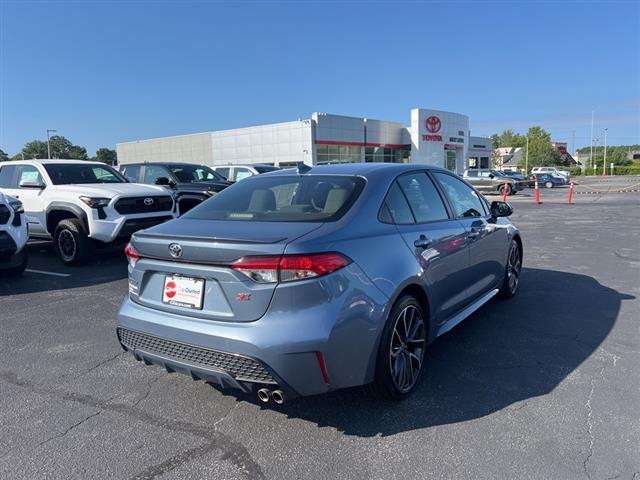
67	244
514	265
407	348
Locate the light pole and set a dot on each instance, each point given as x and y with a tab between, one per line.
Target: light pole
594	160
591	154
526	158
48	145
604	163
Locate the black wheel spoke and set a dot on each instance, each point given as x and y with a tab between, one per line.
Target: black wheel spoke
407	348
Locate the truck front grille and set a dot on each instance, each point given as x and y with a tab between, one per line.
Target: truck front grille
5	213
239	367
130	205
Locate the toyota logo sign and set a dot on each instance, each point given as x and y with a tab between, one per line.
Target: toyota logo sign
175	250
148	201
433	124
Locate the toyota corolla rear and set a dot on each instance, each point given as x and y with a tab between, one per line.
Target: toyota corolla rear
219	293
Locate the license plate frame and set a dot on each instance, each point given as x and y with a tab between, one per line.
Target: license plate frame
182	291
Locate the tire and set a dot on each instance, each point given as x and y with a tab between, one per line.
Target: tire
513	270
548	185
393	380
72	245
17	270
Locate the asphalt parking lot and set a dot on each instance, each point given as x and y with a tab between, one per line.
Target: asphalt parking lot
543	386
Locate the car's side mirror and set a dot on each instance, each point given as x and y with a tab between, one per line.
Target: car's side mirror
500	209
164	181
32	184
491	175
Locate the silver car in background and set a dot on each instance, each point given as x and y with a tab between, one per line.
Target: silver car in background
298	282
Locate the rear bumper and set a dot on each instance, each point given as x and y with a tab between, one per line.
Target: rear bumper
278	349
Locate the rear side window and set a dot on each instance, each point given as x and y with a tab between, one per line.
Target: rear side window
7	176
242	173
224	172
424	200
283	198
131	173
464	200
395	208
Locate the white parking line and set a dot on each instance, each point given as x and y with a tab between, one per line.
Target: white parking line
42	272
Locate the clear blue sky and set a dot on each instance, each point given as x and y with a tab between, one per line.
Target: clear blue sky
109	72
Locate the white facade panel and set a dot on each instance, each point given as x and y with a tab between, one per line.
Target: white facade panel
194	148
271	144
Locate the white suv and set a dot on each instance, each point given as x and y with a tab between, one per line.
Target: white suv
79	204
551	171
235	173
13	236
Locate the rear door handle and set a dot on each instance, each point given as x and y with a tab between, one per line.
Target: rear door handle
422	242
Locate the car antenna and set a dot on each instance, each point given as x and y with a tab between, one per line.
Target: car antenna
302	168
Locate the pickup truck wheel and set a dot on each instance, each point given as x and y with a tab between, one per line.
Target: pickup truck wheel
71	243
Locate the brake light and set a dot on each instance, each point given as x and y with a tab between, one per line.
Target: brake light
288	268
263	269
132	255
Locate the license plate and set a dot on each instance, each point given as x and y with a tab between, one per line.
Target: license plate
183	291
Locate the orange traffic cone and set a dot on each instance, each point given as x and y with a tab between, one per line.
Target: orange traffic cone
536	190
570	191
505	190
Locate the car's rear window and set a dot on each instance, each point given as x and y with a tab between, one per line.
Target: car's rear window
290	198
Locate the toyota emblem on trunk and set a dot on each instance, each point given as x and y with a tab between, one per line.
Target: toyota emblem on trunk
148	201
175	250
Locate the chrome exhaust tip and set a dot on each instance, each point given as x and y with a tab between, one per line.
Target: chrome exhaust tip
263	395
278	396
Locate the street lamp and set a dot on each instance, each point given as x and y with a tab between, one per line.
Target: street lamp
604	163
48	145
594	160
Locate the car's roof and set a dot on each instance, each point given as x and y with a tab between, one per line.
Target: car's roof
164	163
48	162
363	169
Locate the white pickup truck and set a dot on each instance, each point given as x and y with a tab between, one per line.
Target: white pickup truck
79	204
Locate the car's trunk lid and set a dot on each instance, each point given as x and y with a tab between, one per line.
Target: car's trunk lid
207	249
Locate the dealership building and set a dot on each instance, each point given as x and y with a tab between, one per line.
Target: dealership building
434	137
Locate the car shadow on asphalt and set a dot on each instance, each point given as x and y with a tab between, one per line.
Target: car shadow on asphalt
509	351
106	265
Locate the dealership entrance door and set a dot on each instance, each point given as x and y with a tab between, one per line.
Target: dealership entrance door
450	160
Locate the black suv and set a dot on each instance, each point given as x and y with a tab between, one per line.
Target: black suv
191	183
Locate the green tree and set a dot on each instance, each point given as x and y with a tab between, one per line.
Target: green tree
541	152
508	138
106	155
60	148
3	156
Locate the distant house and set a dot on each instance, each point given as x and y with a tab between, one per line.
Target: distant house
567	159
633	155
510	157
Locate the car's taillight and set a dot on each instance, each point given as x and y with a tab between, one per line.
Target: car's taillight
132	255
287	268
262	269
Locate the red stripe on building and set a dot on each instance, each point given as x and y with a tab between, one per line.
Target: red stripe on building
358	144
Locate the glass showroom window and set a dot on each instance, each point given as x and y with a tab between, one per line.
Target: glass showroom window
337	154
387	155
